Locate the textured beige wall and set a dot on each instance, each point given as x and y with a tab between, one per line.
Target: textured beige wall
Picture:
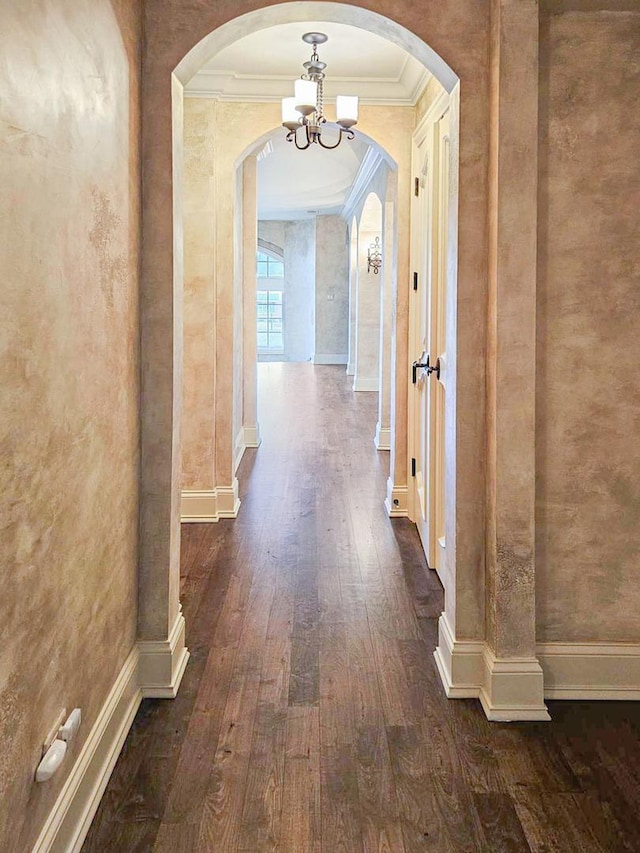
368	301
249	287
198	424
332	280
588	400
297	242
69	224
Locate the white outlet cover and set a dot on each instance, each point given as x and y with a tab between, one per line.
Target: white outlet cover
52	760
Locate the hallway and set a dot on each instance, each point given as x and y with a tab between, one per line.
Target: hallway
311	716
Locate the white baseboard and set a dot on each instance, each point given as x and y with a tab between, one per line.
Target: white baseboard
248	436
351	369
153	669
209	506
161	663
330	358
590	670
513	689
239	447
198	505
508	690
366	383
228	500
382	438
396	501
68	822
252	435
460	663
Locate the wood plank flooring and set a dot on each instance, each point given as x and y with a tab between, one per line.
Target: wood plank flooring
311	717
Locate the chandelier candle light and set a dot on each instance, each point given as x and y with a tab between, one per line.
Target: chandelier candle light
306	108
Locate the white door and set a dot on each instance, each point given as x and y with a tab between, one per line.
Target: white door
429	257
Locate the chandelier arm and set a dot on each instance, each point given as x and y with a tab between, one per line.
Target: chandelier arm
331	147
295	139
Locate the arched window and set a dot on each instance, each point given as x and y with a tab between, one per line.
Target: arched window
270	317
269	266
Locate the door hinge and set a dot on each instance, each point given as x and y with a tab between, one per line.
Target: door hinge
413	467
416	186
415	281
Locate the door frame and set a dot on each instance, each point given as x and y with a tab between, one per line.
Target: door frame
419	204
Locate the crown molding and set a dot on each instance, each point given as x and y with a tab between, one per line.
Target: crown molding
205	94
230	86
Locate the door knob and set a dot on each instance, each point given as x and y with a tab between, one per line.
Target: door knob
425	365
414	368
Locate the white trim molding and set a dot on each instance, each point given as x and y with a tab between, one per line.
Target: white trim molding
161	663
513	689
239	447
370	164
396	501
382	439
223	84
366	383
153	669
228	500
199	506
590	670
252	436
330	358
460	663
508	689
351	368
432	115
68	822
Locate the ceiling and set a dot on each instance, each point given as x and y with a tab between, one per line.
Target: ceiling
262	66
296	184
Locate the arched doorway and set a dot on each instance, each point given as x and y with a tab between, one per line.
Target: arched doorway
200	35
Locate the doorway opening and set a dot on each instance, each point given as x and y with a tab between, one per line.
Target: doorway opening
232	226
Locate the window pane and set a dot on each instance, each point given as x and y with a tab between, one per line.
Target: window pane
262	257
276	269
262	269
269	320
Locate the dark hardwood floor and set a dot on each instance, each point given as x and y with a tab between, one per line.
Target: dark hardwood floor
311	716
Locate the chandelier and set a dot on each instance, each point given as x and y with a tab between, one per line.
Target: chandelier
305	110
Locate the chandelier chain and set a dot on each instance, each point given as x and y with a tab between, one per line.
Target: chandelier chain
320	103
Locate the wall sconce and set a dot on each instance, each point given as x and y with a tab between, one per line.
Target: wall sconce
374	257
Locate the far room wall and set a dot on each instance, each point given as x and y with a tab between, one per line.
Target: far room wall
315	287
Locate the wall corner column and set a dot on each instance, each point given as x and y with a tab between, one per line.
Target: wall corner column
250	426
513	684
161	632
